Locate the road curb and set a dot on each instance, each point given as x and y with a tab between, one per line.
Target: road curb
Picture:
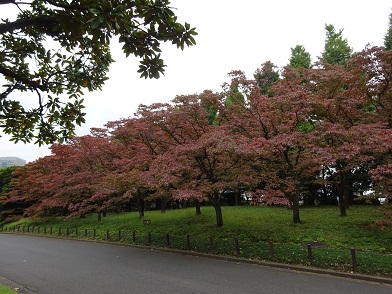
313	270
15	286
299	268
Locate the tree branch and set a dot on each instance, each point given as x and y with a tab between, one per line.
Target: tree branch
26	22
7	2
9	73
66	6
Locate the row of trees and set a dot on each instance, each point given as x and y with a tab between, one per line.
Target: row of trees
312	126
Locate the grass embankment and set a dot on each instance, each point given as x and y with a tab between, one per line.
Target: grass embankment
6	290
249	223
254	227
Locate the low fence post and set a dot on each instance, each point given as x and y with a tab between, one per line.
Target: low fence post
133	236
188	242
353	260
94	234
60	231
236	247
271	249
310	254
149	238
85	233
107	235
167	240
211	244
51	230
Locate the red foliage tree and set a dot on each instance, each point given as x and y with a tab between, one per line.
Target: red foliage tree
69	181
350	109
136	147
198	159
278	148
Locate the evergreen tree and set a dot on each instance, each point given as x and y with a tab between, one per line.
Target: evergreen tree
266	76
299	58
336	48
388	35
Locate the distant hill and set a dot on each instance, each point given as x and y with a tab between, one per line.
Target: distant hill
11	161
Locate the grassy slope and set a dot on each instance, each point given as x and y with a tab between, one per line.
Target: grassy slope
252	223
6	290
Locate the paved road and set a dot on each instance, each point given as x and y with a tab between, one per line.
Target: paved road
54	266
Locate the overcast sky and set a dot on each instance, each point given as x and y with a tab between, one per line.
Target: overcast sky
233	35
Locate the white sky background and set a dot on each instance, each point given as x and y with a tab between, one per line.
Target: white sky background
233	35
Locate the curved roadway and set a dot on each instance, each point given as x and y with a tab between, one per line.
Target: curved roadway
48	266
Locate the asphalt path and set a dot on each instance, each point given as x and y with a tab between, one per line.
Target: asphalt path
57	266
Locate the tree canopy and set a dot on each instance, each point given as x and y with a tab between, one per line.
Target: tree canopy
266	75
5	178
336	48
388	35
58	49
300	58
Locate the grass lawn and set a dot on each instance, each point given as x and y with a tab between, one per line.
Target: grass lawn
249	224
6	290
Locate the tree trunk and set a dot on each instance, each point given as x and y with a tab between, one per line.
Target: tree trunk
99	216
163	205
237	197
343	186
346	198
141	208
218	209
347	189
218	213
296	218
342	205
197	205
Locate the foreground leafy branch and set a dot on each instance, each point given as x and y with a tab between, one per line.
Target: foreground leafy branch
58	49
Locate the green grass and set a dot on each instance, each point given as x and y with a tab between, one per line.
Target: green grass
6	290
255	228
247	223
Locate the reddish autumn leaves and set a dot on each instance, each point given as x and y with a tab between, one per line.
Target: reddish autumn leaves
335	118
